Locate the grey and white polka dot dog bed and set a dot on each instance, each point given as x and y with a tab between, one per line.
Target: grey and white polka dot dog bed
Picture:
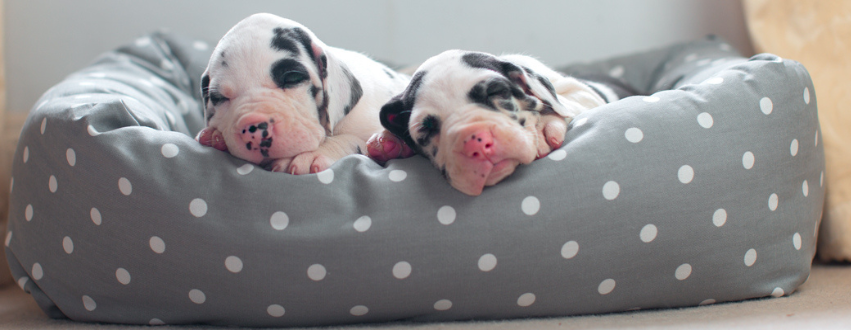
708	190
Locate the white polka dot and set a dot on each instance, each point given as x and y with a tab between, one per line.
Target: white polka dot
773	200
617	71
651	99
157	244
719	218
487	262
359	310
750	257
8	238
37	271
156	321
526	300
89	303
28	212
326	176
707	302
362	224
683	272
197	296
43	125
557	155
169	150
142	42
402	270
279	220
634	135
648	233
793	148
68	245
778	292
685	174
805	188
22	282
52	184
606	287
122	275
26	154
95	215
91	130
766	105
71	156
233	264
316	272
569	250
807	95
580	122
200	45
690	57
530	205
705	120
714	81
275	310
443	305
796	241
125	187
446	215
198	207
398	175
611	190
245	169
748	160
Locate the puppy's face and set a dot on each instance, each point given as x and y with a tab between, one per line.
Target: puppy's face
263	89
475	116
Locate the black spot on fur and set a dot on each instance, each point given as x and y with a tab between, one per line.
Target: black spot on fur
284	40
205	88
355	94
490	62
224	64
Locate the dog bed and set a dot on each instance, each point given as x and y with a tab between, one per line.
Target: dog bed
707	190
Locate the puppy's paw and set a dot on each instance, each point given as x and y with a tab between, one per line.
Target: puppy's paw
309	162
551	131
385	146
211	137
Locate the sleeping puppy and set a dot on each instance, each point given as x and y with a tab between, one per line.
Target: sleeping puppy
477	116
277	96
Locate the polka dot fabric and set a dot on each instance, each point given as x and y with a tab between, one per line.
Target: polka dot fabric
706	190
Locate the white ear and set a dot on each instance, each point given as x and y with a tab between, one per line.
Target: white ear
576	96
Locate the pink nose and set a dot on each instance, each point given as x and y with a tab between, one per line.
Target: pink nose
256	133
479	145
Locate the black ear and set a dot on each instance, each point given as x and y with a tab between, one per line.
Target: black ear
395	117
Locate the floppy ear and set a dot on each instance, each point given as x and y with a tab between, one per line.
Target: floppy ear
395	117
566	96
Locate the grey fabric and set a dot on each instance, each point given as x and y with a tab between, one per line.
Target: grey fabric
710	190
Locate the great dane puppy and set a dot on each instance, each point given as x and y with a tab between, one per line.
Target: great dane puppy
477	116
277	96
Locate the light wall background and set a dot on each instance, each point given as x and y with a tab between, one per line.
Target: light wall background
48	39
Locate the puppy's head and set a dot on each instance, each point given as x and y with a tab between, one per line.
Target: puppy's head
474	115
265	89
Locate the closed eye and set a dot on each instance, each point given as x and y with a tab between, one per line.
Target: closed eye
217	98
428	128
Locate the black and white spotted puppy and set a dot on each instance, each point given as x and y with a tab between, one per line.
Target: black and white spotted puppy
277	96
477	116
